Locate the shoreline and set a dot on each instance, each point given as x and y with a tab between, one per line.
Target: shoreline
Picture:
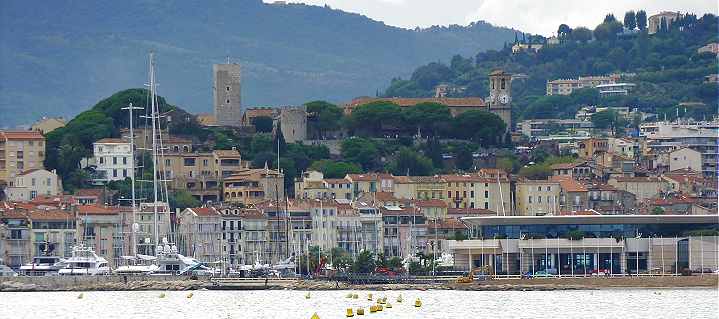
44	284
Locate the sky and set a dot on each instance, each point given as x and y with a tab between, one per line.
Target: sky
533	16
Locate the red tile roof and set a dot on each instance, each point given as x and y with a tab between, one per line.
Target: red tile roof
568	184
96	210
205	211
53	214
21	135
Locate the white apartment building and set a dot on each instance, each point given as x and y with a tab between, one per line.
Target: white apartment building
113	159
32	183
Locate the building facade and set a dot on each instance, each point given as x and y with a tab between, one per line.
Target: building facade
32	183
567	86
112	158
20	151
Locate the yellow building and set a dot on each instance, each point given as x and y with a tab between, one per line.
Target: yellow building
251	186
589	148
537	197
20	151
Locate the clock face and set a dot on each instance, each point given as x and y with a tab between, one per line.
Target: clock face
504	99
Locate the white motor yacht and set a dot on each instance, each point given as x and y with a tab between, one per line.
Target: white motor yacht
85	261
170	262
137	265
43	266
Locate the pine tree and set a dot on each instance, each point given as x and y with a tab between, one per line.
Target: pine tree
641	17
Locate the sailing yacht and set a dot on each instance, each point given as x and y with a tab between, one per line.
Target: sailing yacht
84	261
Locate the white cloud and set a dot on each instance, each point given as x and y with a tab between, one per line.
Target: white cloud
542	17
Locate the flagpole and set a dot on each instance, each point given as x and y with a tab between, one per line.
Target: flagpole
701	254
676	256
559	259
662	239
584	258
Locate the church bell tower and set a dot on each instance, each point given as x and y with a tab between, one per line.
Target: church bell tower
500	96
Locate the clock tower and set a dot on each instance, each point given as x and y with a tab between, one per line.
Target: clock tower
500	96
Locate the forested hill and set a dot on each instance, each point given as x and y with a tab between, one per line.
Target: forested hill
60	57
665	66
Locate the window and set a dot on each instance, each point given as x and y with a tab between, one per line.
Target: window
102	160
20	155
114	173
33	194
205	162
227	88
503	84
449	194
114	160
124	173
486	194
539	199
189	162
49	181
486	205
471	194
549	188
32	181
20	165
228	101
167	162
539	188
530	199
124	160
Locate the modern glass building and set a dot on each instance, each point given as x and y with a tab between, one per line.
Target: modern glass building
589	244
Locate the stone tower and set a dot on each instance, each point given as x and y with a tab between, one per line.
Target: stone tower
293	122
226	94
500	96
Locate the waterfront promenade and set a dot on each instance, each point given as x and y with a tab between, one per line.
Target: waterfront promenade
119	283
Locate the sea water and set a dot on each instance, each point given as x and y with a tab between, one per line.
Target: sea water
275	304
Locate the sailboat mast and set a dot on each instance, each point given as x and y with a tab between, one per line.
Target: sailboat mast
133	230
153	116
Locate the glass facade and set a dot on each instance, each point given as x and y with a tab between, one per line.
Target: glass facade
589	231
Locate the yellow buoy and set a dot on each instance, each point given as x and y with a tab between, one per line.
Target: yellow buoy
379	307
349	295
307	296
369	296
162	295
418	303
355	296
360	311
190	295
388	305
350	313
399	299
80	296
315	316
372	309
